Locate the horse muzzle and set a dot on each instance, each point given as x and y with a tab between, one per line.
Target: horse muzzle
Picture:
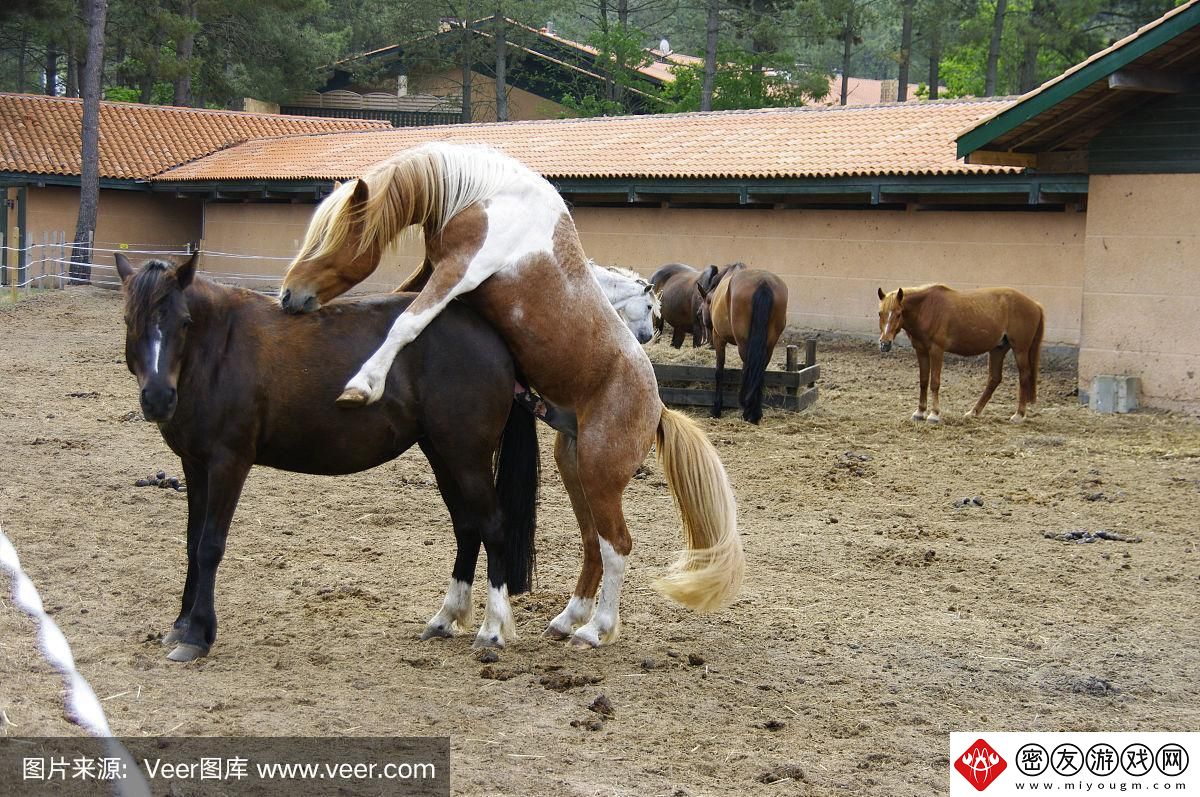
295	303
885	346
158	402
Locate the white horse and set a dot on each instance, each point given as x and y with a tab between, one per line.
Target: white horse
631	296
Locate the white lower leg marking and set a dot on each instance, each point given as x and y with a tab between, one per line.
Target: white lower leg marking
498	624
456	610
605	624
578	610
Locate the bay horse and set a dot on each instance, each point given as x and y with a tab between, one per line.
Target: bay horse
747	307
631	296
939	319
501	238
676	286
232	382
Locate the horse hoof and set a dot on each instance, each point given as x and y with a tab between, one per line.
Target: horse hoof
580	641
493	641
918	416
1017	418
186	652
436	631
352	397
933	417
555	633
971	414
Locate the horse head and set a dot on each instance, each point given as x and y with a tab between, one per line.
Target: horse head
336	255
156	326
891	317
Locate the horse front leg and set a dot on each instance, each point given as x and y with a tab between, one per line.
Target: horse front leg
198	622
451	277
719	398
457	609
935	383
195	476
923	367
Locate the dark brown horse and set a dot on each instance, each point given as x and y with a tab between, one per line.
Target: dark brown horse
747	307
939	319
233	382
675	284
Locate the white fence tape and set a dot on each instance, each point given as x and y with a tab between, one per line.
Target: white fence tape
83	707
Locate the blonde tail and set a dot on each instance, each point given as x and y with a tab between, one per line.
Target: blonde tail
709	572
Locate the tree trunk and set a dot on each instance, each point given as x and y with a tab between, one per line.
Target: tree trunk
51	70
182	95
906	30
710	55
1027	74
993	60
935	63
847	42
501	68
72	73
466	70
22	49
146	89
95	15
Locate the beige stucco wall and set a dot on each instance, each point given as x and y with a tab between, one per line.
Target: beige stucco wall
522	105
129	220
1141	286
834	260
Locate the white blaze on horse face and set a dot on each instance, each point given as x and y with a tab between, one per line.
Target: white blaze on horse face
605	625
498	624
520	222
156	341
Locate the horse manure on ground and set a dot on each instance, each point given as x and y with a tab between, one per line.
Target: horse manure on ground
602	706
1083	536
163	481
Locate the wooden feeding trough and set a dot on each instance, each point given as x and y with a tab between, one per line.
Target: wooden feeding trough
793	388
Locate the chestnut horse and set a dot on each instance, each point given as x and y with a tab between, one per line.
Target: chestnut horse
747	307
676	286
500	237
232	382
939	319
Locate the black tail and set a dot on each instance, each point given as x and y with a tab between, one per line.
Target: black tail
518	471
757	353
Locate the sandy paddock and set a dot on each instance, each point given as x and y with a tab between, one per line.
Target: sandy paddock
877	616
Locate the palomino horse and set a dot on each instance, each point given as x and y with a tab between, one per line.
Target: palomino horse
232	382
676	286
747	307
500	237
939	319
631	296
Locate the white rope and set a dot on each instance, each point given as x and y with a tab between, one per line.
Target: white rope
83	707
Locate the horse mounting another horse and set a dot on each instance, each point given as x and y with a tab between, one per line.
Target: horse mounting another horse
676	287
939	319
747	307
233	382
500	237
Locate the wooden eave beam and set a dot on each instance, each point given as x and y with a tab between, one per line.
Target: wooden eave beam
1151	80
993	157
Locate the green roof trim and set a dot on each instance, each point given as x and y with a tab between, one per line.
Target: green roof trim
1015	116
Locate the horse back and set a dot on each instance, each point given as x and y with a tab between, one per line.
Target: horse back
664	275
977	321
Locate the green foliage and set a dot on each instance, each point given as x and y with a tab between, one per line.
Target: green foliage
744	80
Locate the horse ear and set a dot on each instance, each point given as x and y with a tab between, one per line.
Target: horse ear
125	269
361	193
337	184
882	295
186	270
899	295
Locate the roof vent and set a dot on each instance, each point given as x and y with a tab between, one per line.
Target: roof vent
664	47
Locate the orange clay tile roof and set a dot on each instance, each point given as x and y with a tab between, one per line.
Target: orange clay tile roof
41	135
876	140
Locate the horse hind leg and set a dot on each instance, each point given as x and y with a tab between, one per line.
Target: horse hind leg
1026	377
457	612
583	601
995	376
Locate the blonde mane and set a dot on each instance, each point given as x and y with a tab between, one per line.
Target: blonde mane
427	186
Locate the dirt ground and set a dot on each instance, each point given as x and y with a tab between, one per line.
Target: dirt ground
877	615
